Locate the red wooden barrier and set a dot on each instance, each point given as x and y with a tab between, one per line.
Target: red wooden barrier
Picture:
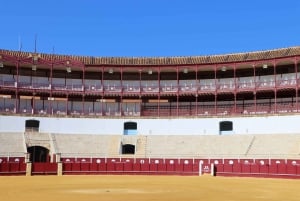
102	167
4	168
94	167
119	167
128	167
246	168
44	169
12	168
110	167
76	167
237	168
264	169
291	169
145	166
161	168
157	166
85	167
136	167
254	168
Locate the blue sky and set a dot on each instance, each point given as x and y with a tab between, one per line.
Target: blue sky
143	28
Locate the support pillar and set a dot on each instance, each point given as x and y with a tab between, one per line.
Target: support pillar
27	156
200	169
59	169
28	169
58	157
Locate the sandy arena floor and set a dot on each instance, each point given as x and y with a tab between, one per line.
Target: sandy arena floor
143	188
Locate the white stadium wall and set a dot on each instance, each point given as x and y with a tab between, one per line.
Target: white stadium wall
197	126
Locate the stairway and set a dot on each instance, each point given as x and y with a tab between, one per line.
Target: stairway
250	146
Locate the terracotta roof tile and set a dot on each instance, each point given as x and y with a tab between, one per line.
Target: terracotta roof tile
210	59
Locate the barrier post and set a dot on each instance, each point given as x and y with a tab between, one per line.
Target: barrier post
27	157
59	169
58	157
200	169
28	169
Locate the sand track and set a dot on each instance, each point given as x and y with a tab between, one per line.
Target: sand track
144	188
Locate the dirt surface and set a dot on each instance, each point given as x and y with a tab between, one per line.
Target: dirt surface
144	188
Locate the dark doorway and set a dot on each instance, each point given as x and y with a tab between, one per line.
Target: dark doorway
128	149
130	125
226	127
38	154
130	128
32	125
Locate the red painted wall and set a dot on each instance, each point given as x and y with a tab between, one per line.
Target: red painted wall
159	166
12	168
44	169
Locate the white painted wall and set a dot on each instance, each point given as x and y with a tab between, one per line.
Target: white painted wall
197	126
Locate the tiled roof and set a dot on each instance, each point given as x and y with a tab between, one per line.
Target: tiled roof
187	60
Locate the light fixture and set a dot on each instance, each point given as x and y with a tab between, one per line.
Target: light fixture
69	70
68	62
150	72
33	67
185	70
223	68
111	71
265	66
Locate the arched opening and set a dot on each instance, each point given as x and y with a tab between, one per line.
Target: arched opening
226	127
128	149
32	125
38	154
130	128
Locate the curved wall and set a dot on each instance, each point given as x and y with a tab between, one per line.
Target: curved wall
288	124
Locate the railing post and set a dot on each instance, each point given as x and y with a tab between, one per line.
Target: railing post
28	169
59	169
200	168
